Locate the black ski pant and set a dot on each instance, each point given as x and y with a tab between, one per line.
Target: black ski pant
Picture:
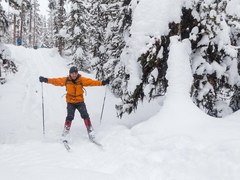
81	107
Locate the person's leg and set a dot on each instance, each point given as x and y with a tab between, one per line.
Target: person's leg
85	116
70	116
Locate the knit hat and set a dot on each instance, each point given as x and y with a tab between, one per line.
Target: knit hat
73	69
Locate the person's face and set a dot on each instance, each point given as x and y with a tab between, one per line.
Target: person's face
73	75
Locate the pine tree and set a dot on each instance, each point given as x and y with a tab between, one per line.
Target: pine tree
6	64
16	5
24	21
120	14
234	23
59	16
112	23
153	66
214	58
50	22
3	22
46	38
153	63
214	35
20	20
99	22
77	34
37	24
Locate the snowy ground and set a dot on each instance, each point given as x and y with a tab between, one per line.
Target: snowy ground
25	152
175	144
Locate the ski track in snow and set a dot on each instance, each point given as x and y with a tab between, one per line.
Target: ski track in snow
128	153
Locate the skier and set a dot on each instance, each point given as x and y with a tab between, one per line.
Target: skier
75	100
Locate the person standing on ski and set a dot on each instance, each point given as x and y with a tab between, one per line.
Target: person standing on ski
74	83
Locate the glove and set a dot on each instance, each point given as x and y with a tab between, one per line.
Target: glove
105	82
43	79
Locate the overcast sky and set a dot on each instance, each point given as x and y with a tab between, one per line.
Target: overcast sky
43	7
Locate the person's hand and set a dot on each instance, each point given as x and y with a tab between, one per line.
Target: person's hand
43	79
105	82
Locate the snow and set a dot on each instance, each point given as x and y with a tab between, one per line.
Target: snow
233	7
25	152
146	25
143	27
186	144
187	119
175	142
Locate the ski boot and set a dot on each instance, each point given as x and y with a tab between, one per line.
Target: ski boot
66	130
91	133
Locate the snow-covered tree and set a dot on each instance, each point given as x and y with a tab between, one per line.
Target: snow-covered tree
77	29
50	24
98	23
111	24
214	34
37	24
26	21
6	63
19	18
59	16
3	22
212	31
153	64
113	20
46	35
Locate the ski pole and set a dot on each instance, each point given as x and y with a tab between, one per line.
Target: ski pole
43	111
103	105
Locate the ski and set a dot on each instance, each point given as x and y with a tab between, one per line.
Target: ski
68	148
66	145
96	143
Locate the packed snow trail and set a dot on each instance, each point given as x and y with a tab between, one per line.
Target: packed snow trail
23	114
152	150
25	152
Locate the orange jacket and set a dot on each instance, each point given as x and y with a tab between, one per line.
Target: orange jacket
74	90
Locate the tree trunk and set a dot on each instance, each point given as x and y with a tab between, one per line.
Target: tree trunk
14	30
61	39
30	27
51	28
21	23
34	24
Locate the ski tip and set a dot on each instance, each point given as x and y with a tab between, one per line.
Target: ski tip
66	145
97	143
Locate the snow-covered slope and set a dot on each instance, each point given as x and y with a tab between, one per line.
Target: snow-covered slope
179	116
179	143
175	144
25	152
